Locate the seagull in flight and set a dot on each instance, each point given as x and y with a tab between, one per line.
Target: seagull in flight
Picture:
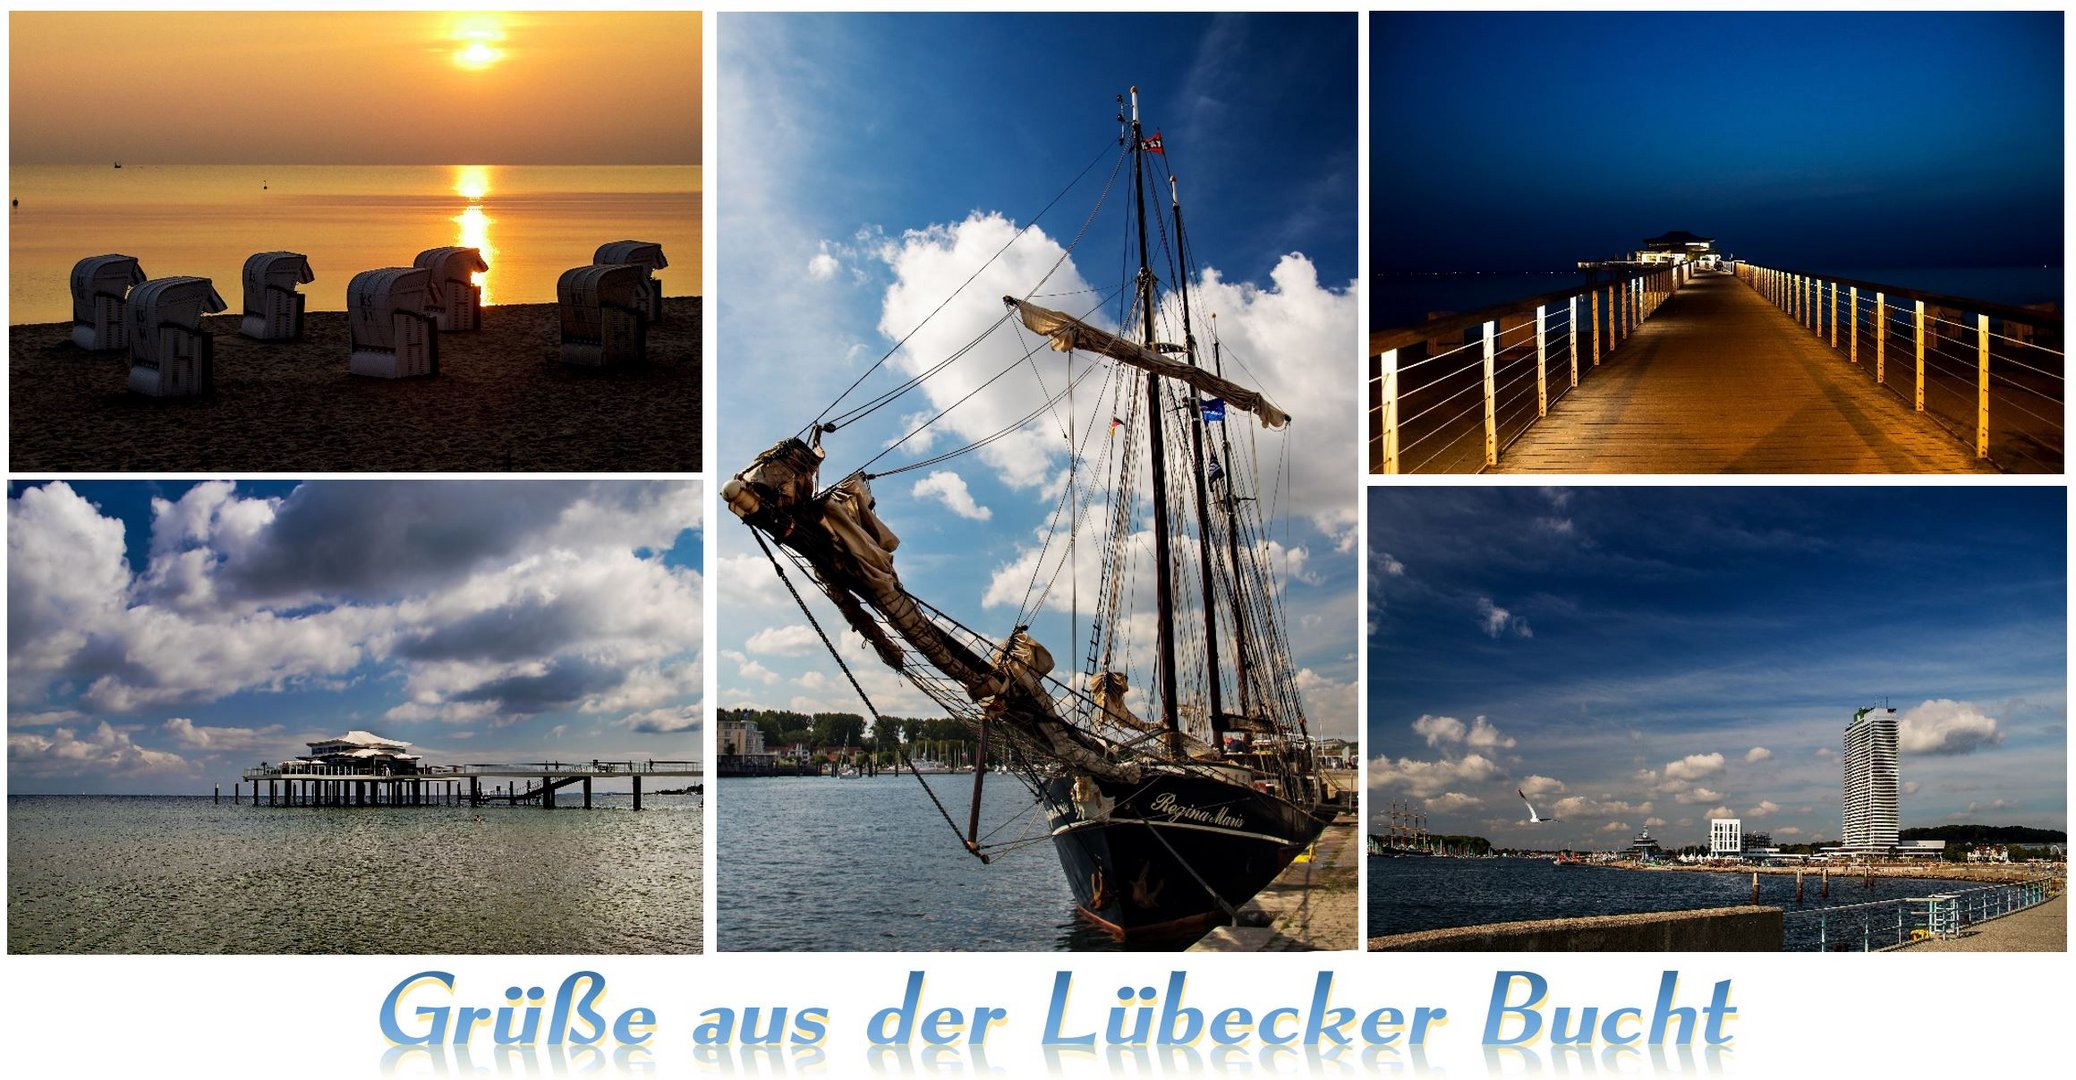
1532	818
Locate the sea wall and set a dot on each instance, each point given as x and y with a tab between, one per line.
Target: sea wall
1728	929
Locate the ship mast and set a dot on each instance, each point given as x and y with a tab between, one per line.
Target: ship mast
1232	536
1196	448
1164	586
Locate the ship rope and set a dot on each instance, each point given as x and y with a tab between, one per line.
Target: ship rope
877	719
982	268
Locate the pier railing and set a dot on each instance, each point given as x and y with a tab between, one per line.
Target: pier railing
1450	395
1989	373
1886	924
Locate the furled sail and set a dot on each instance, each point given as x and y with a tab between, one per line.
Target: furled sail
852	553
1068	332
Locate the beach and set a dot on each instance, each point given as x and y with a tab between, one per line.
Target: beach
503	401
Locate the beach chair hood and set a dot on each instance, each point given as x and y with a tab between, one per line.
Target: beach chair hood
102	276
635	252
374	296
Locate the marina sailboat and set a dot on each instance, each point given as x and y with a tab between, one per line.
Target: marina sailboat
1172	765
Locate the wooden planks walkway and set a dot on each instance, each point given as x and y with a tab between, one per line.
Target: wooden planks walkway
1720	381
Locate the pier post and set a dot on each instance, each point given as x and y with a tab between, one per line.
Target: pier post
547	795
1571	330
475	793
1920	356
1542	365
637	791
1798	886
1834	314
1982	386
1387	407
1755	886
1594	298
1881	337
270	792
216	795
1491	422
1824	886
587	793
1852	336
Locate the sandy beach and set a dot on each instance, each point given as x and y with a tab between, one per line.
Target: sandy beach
503	401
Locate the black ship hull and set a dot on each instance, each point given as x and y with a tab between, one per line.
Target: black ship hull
1173	854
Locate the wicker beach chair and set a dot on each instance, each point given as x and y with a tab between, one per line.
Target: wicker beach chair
643	254
170	354
389	312
604	313
460	303
100	285
273	307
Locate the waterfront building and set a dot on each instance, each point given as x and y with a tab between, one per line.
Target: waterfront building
1870	805
1725	837
741	747
1643	849
364	751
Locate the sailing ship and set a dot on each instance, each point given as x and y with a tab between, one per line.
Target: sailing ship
1166	823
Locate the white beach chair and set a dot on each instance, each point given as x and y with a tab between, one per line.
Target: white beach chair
604	315
395	334
170	354
643	254
99	287
273	307
460	303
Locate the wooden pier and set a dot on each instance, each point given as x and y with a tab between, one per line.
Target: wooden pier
1689	369
451	785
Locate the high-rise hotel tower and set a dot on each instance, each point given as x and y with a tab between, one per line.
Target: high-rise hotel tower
1870	782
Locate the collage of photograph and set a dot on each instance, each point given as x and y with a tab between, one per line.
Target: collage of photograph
1085	524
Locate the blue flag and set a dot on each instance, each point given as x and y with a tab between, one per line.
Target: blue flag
1214	409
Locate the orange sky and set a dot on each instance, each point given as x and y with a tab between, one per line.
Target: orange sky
355	87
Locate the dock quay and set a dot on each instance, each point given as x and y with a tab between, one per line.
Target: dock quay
2041	928
1312	904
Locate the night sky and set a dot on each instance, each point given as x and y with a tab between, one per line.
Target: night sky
1528	141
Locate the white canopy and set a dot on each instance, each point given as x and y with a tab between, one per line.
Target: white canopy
373	297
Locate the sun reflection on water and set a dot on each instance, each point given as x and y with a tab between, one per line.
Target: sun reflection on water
472	182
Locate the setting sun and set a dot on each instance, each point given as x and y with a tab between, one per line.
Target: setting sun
478	35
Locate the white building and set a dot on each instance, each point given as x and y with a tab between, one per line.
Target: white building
1870	783
1725	837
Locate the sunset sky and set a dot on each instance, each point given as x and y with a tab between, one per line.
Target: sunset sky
414	87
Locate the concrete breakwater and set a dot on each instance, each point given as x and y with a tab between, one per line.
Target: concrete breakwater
1754	928
1988	874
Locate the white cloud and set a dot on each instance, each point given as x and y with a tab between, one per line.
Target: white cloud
793	639
105	751
949	488
823	266
1496	620
1945	726
1694	767
1427	779
1439	729
1615	827
1540	785
1386	565
1766	807
1452	801
1757	754
1486	737
1721	812
1697	795
190	734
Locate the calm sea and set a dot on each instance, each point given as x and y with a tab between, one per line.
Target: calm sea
532	222
820	864
142	874
1410	299
1431	894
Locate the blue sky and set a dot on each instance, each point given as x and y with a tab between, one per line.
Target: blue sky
869	164
1638	657
1527	141
164	635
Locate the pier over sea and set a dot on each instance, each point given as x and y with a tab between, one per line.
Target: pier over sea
1684	369
447	785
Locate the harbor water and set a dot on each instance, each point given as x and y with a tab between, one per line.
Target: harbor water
150	874
868	864
1412	894
531	222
